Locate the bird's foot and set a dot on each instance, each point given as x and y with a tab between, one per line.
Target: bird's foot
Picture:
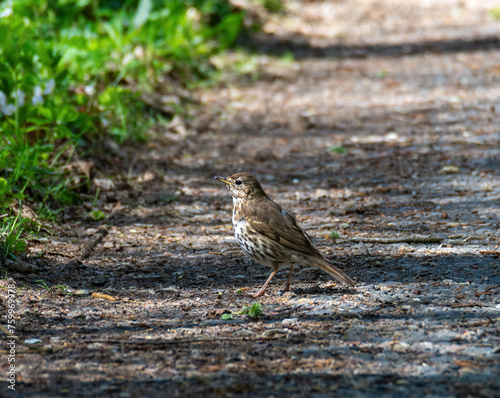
259	294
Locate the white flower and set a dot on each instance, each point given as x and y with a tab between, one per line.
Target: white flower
89	90
8	109
193	14
49	87
20	97
37	96
6	12
139	52
127	58
3	99
36	100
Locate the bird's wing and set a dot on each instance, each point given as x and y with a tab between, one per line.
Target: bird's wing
269	219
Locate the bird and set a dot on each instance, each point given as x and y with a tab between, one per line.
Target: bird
270	234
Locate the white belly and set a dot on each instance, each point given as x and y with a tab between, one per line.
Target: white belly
253	246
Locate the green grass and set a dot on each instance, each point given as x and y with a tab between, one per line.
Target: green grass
334	235
11	229
253	311
275	6
337	149
73	72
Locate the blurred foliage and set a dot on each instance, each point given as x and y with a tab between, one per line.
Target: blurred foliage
72	72
495	13
253	311
273	5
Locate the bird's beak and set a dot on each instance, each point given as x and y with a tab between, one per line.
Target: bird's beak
223	179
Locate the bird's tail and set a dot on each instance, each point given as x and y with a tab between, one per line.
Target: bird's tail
322	263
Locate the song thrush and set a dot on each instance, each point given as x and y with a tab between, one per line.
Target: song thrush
269	234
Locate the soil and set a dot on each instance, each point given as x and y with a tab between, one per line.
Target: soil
380	133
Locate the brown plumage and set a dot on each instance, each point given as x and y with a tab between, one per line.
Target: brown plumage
269	234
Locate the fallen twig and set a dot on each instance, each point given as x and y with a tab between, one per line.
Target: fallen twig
409	239
103	296
454	305
8	333
212	339
88	248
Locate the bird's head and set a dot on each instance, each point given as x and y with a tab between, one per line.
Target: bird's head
243	186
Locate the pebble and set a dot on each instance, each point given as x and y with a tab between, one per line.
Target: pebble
95	346
316	351
170	289
272	332
73	314
401	346
243	333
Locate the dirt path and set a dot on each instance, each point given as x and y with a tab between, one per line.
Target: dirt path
384	126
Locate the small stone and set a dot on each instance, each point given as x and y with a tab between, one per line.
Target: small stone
449	170
289	321
32	341
23	267
195	353
104	184
400	346
243	333
321	193
170	289
272	332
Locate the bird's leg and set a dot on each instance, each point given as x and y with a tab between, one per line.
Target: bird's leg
261	291
287	287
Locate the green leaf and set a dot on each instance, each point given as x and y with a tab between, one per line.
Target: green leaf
41	283
97	215
3	184
20	246
67	114
11	239
254	311
337	149
227	317
381	74
495	13
46	113
273	5
334	235
169	199
142	13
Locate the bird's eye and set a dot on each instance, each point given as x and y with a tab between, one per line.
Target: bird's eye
238	182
